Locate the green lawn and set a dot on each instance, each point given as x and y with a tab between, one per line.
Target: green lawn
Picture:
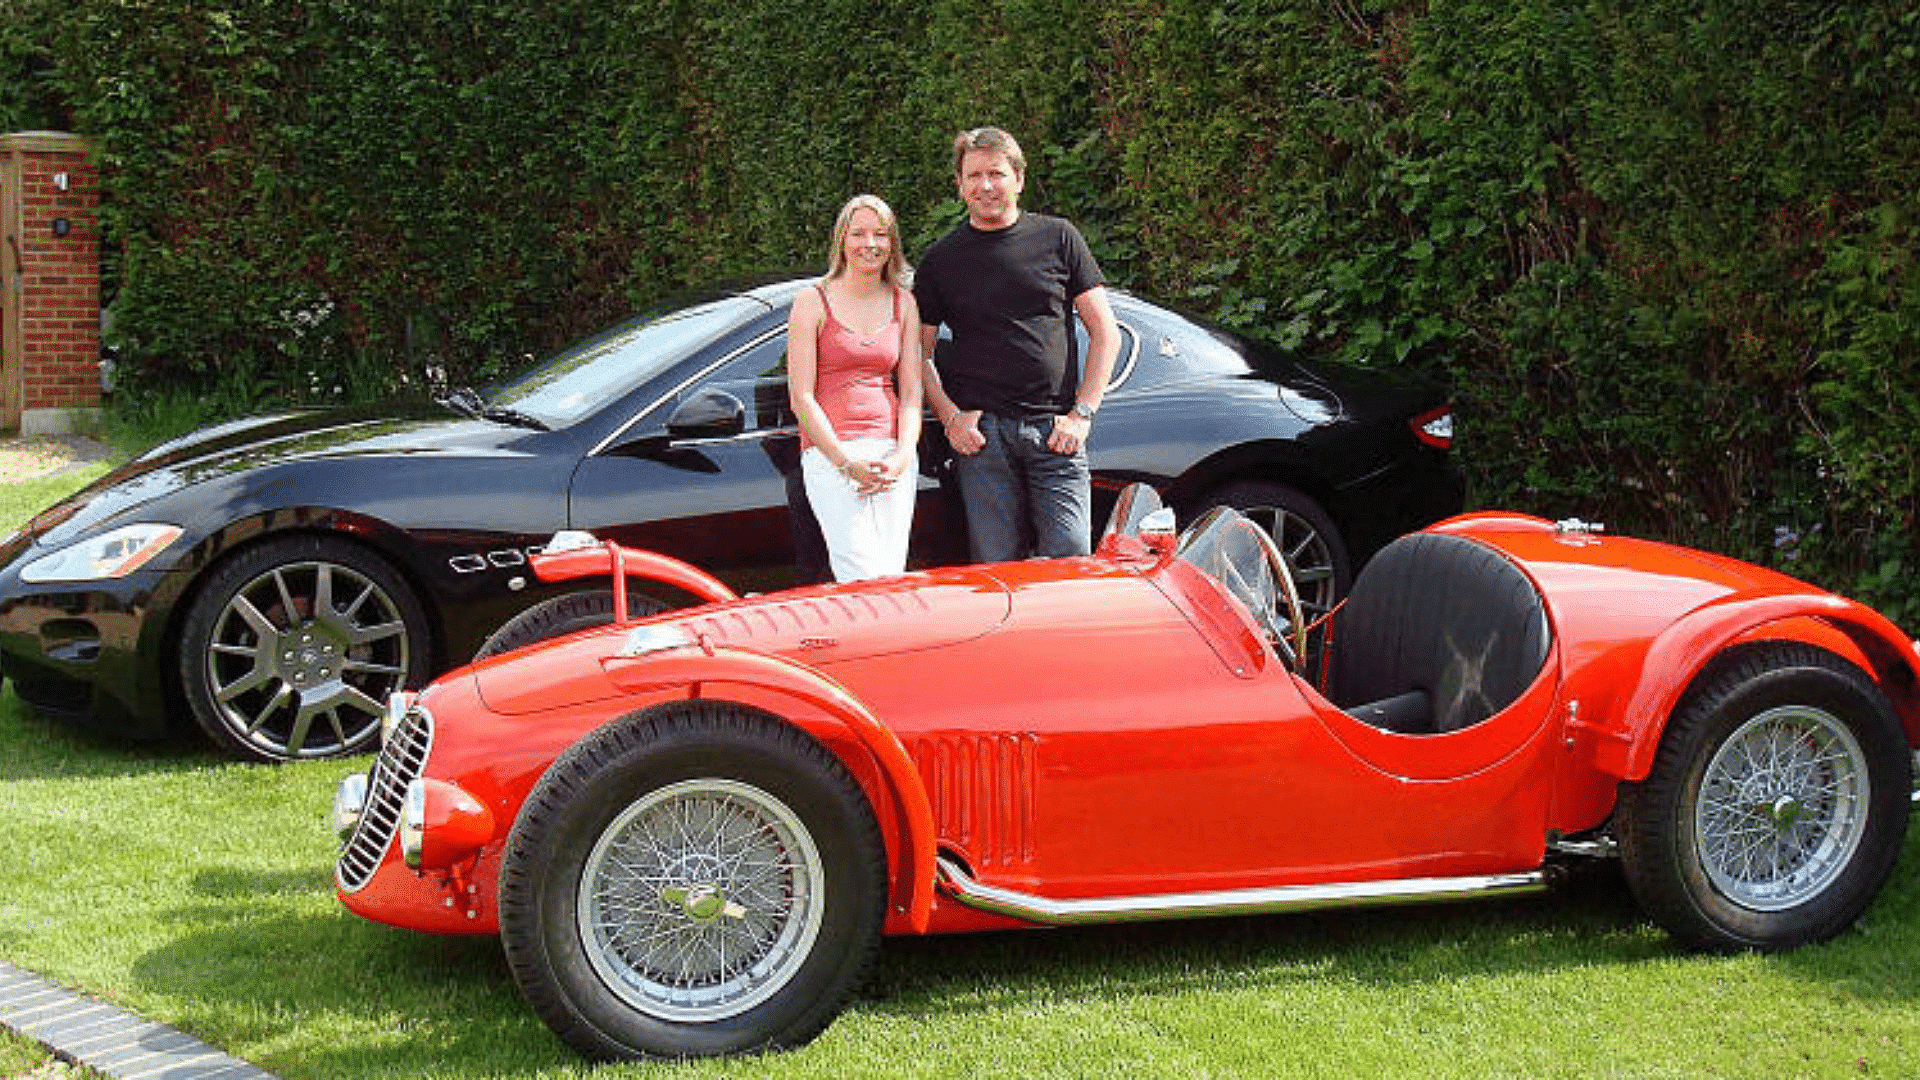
197	892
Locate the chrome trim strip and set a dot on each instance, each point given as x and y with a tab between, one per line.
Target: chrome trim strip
955	882
688	381
744	437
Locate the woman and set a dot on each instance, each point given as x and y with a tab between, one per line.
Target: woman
853	374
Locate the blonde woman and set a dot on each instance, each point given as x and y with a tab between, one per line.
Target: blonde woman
853	374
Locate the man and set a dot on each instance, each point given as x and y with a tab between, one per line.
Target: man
1007	283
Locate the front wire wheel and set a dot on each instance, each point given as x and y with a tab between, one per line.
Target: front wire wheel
1776	805
695	879
701	900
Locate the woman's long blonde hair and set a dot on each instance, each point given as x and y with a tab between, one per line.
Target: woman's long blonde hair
895	272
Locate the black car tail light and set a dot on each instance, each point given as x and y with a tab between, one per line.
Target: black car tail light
1434	427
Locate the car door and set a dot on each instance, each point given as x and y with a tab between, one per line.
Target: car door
711	475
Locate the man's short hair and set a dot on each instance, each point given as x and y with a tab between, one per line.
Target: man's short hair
991	139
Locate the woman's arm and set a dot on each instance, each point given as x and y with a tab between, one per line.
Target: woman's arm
909	387
803	377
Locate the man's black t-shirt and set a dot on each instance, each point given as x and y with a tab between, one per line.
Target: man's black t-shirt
1007	294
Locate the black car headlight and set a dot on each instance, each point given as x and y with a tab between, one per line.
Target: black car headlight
109	555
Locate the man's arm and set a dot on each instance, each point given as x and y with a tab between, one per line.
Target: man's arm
962	426
1103	346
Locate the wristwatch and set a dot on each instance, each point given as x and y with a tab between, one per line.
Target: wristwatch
1083	410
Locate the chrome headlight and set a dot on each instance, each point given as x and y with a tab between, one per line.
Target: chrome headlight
348	804
109	555
413	823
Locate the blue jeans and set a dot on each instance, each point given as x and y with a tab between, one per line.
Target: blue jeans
1022	498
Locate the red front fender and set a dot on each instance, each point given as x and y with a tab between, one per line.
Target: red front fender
610	558
707	670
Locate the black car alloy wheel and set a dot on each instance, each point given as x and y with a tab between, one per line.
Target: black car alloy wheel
291	648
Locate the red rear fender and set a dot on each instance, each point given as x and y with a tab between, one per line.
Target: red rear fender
1675	658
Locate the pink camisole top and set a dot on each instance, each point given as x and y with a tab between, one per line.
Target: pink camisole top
853	376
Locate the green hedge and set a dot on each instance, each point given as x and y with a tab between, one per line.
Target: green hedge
1660	248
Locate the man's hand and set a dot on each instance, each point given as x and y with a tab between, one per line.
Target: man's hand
963	431
1069	434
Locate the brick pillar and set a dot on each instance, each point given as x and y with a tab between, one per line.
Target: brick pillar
49	283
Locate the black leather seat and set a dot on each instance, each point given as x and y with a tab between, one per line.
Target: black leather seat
1439	633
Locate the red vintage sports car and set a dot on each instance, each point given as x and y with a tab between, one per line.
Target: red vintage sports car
692	831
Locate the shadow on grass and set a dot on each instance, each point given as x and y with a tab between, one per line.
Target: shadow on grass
405	1003
37	747
1590	923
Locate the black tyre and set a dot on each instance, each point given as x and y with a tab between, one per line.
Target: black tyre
697	879
290	648
564	614
1302	531
1776	805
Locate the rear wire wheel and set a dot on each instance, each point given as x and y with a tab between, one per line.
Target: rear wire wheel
1776	805
696	879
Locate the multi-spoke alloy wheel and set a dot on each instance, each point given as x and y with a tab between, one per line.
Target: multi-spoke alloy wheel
699	878
1307	553
1782	807
700	900
1776	805
293	648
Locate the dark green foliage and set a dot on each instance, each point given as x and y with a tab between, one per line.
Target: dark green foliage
1663	249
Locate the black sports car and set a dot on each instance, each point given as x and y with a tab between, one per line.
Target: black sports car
277	577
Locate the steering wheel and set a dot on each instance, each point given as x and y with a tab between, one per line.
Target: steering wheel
1288	636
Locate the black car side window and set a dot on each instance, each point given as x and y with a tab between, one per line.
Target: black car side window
757	378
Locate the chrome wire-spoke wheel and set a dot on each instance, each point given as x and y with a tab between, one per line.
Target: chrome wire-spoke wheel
701	900
1782	807
301	659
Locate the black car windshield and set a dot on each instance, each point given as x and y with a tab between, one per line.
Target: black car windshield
582	378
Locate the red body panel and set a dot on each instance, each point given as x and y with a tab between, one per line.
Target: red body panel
1115	726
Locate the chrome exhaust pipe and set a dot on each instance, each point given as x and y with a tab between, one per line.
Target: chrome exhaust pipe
958	884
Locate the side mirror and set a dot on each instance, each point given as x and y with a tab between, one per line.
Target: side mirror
1159	531
1134	504
709	414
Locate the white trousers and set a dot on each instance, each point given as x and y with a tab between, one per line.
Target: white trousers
866	535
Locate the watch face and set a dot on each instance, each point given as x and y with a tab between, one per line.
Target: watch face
1083	410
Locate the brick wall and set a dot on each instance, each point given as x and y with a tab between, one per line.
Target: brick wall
50	309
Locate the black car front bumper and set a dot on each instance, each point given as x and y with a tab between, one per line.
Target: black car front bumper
78	651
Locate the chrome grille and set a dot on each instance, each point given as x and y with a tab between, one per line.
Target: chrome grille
400	762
